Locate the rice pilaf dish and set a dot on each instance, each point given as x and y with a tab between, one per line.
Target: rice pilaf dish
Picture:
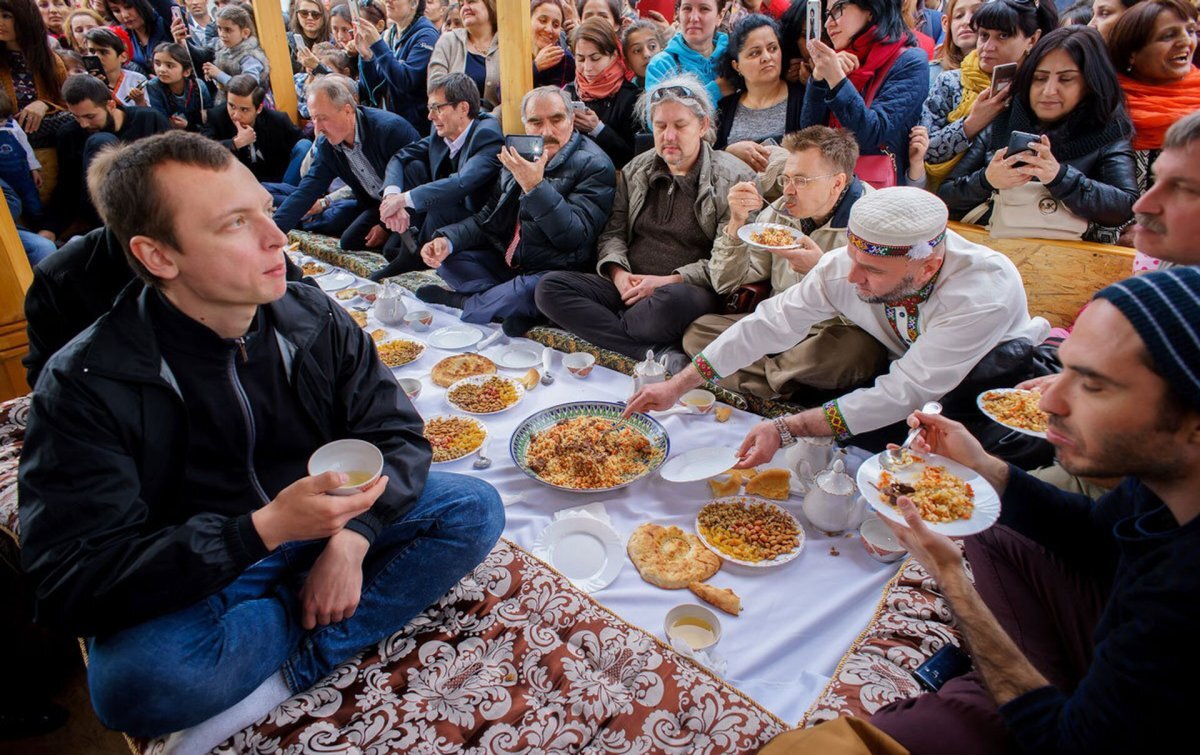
453	437
774	237
939	495
571	454
1016	409
399	352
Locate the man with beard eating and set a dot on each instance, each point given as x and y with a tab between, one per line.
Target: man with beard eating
99	122
952	315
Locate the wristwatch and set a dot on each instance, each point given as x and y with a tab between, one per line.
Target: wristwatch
785	435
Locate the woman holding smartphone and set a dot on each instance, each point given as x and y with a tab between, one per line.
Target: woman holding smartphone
606	99
1066	93
962	103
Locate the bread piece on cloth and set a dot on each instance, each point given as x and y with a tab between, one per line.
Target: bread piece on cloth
452	369
729	487
670	558
530	380
772	483
721	597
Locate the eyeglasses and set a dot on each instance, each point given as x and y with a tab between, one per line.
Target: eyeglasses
660	94
800	182
436	107
837	10
309	13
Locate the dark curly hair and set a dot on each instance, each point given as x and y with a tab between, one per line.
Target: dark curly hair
738	35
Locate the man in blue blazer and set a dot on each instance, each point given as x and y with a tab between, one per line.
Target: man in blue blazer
444	178
355	144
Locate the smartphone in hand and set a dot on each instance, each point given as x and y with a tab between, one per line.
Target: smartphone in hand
813	25
1002	77
528	147
92	64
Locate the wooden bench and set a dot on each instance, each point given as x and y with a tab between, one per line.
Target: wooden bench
1060	276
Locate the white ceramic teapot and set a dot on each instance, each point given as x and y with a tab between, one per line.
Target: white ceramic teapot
389	307
808	457
832	504
648	372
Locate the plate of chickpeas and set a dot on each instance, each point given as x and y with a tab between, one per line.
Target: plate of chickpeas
485	394
750	531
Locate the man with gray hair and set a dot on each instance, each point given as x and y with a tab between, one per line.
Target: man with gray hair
354	144
544	215
653	273
1168	215
952	315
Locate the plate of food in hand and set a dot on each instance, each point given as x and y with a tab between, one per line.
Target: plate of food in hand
485	394
400	351
769	235
750	531
585	446
952	499
454	437
1016	409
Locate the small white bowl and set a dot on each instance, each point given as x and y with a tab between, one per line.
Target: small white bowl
419	320
411	386
880	542
579	364
699	400
358	458
694	612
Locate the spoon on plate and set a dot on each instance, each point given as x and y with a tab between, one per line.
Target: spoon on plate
893	458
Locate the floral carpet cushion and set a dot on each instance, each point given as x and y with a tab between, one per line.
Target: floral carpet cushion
513	660
13	416
911	623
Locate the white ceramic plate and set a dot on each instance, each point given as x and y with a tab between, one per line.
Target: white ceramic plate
479	380
745	232
470	453
585	550
699	464
994	418
987	502
335	280
518	358
778	560
455	337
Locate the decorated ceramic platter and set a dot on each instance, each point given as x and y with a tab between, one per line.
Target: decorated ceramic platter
569	447
727	527
585	550
946	487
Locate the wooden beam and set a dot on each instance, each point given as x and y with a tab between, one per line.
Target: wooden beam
15	277
516	61
272	35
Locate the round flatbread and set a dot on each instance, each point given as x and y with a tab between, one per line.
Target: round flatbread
452	369
670	558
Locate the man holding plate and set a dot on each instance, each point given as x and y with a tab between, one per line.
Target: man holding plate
1080	615
952	315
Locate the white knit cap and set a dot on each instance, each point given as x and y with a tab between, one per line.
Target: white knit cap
898	221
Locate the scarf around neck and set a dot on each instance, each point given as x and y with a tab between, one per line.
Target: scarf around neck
1154	107
603	86
873	56
974	81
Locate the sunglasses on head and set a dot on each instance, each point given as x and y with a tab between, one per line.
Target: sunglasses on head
660	94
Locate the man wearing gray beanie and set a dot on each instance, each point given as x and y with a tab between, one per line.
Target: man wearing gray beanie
1082	614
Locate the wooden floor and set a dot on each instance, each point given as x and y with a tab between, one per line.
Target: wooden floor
82	735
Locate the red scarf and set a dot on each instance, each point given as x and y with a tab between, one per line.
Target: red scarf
874	57
1154	107
603	86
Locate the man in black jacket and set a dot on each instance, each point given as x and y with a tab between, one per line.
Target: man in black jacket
166	510
543	215
265	141
445	177
99	123
355	145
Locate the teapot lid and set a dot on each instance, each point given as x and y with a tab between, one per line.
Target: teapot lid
834	479
650	366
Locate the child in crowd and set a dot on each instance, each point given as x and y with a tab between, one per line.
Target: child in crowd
238	52
325	57
126	85
19	167
72	61
174	91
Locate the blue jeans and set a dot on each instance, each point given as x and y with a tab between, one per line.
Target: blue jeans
175	671
292	174
37	248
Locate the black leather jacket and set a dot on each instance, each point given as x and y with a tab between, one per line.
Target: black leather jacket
109	536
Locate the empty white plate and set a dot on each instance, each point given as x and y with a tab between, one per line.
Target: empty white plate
518	358
699	464
584	550
455	337
338	279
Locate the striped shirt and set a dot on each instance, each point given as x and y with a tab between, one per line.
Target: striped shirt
363	170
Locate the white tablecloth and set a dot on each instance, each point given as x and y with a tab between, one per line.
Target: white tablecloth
797	620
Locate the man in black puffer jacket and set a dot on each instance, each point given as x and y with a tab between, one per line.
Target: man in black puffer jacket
166	510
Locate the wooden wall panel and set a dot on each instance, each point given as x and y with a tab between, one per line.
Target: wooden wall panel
272	35
516	61
15	277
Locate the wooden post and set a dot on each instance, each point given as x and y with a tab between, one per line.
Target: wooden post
516	61
272	35
15	277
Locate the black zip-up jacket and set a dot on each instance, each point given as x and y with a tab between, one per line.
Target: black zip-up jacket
109	537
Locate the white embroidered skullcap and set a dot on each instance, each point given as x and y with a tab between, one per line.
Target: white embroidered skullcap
898	221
